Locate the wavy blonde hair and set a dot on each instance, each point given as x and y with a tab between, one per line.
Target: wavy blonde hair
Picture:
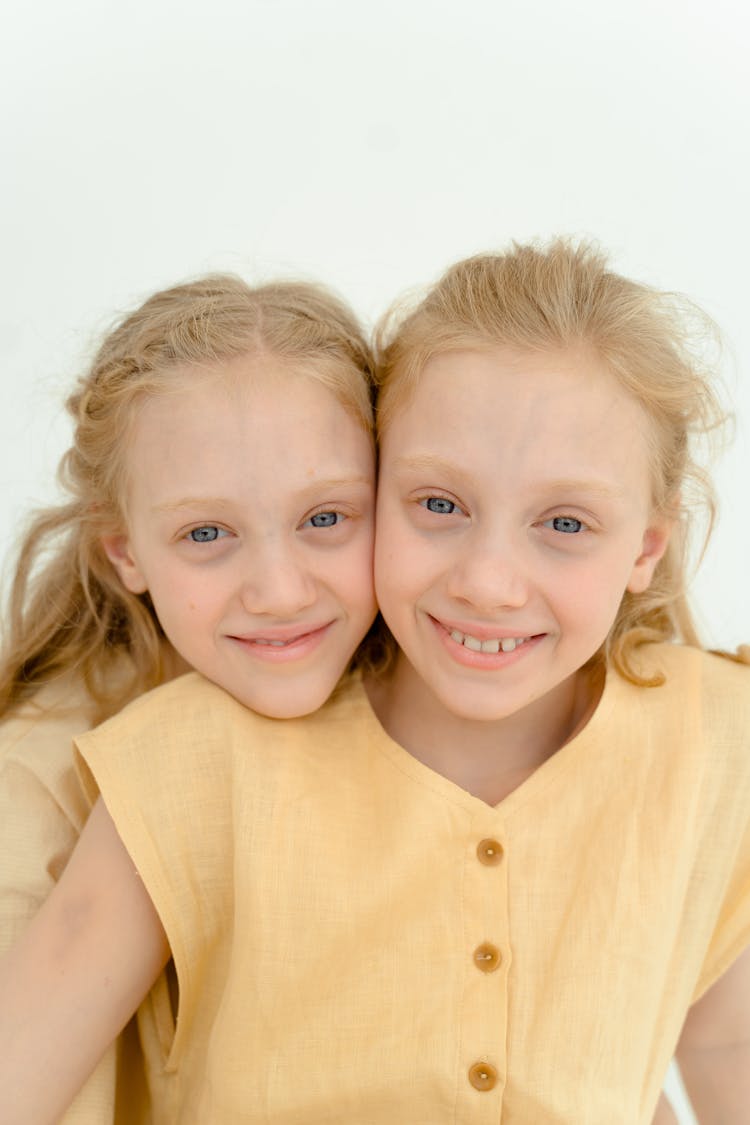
67	609
563	295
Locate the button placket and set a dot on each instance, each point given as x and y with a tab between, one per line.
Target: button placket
488	948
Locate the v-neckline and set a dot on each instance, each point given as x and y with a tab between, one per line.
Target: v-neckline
532	786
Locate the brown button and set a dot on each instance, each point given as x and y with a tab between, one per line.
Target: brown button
483	1076
487	957
489	852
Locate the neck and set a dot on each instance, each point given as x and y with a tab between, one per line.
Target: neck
173	664
487	759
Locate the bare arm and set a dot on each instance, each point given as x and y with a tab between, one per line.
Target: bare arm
664	1115
80	971
714	1049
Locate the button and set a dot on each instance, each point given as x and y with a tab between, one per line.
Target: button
489	852
483	1076
487	957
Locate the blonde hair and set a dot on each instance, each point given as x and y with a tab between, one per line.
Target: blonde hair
562	296
67	608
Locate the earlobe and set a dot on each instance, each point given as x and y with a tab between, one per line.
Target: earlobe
118	551
655	542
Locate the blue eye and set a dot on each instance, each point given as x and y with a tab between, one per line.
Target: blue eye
439	505
325	519
207	534
567	524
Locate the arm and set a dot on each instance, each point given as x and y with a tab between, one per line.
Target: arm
70	985
714	1049
664	1115
42	812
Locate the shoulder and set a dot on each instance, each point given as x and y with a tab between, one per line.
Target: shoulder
42	807
189	695
698	678
191	726
36	739
696	722
192	704
189	710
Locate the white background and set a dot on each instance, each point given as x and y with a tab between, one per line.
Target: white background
368	146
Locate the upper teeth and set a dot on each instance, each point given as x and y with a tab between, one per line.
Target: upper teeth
507	644
276	644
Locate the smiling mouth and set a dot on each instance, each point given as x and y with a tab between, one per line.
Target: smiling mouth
277	644
492	645
305	635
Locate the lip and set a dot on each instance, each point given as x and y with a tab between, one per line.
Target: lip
484	660
482	632
298	643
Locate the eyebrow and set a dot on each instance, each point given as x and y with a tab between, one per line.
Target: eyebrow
592	486
428	463
595	487
224	502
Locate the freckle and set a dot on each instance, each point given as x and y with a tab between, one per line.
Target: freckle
191	605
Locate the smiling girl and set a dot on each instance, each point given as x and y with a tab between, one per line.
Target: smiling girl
499	881
220	515
538	416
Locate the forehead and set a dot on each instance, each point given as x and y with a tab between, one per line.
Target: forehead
238	421
256	387
552	412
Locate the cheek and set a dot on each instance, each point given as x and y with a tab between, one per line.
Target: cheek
590	597
401	576
181	599
384	569
386	539
346	574
407	561
356	576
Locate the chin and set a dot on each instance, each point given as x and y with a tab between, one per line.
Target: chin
478	713
288	704
489	704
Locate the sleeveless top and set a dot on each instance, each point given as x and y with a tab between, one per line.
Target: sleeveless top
356	938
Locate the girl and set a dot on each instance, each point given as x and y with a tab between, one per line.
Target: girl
220	516
497	881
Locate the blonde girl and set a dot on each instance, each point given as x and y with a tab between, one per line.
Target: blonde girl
500	880
540	419
204	407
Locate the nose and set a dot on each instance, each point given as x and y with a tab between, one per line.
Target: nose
489	575
276	581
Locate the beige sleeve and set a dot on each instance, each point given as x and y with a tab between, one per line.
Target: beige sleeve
40	821
36	839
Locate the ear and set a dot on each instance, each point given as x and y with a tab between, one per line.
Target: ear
655	542
118	550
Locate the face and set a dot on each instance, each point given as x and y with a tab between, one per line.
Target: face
514	511
250	523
